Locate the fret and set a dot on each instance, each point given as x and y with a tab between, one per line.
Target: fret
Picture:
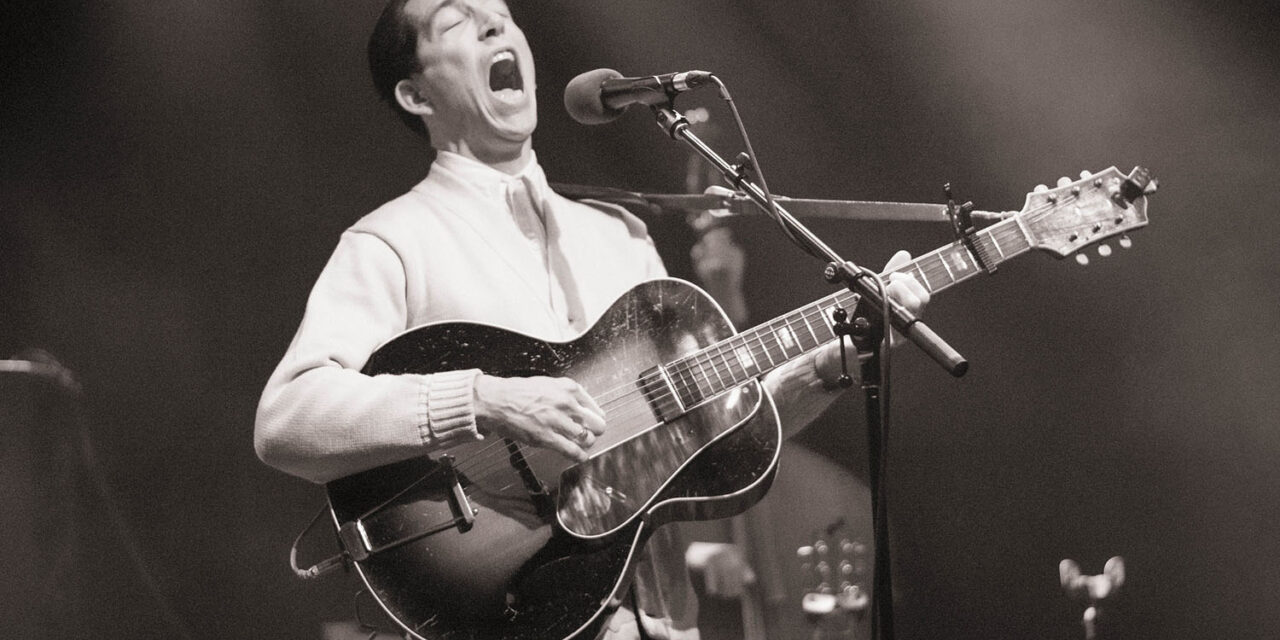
924	280
946	266
764	348
720	367
715	370
737	359
665	374
688	396
935	282
730	362
702	372
961	253
787	323
936	256
992	238
701	384
813	335
824	315
745	358
1014	234
786	339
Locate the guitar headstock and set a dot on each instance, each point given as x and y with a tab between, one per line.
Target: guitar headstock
1068	218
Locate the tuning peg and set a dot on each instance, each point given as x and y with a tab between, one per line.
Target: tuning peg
1086	174
1124	242
1064	181
1082	259
1040	188
853	599
1104	250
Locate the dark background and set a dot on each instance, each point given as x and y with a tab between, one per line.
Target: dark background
175	175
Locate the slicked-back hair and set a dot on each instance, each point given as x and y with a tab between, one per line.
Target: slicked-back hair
393	56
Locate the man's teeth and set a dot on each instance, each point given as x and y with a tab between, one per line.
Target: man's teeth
504	55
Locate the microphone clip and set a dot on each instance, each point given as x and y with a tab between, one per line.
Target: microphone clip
843	328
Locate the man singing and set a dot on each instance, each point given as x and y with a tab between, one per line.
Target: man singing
481	239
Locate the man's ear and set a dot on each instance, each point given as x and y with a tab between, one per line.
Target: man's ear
412	99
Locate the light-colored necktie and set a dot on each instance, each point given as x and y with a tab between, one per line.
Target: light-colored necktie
526	208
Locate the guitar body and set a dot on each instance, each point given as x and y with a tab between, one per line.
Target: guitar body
490	540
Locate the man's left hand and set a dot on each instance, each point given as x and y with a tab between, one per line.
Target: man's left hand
902	288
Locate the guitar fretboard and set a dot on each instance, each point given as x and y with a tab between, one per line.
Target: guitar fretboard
733	361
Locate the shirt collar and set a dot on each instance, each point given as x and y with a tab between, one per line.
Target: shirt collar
489	181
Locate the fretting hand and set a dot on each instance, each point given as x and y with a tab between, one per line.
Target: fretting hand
902	288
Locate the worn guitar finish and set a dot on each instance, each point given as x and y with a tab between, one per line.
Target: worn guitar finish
495	541
511	568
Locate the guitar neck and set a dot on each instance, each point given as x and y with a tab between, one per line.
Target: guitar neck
734	361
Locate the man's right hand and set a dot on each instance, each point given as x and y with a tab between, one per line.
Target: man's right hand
553	413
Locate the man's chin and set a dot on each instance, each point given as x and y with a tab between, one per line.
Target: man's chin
517	128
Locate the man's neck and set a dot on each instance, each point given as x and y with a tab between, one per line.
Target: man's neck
509	160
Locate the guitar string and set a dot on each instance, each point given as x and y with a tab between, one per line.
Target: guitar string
685	365
1009	231
916	264
482	464
478	461
683	370
665	400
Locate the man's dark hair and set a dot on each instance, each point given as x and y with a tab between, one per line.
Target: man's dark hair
393	56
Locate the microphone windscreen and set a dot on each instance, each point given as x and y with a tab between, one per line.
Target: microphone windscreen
582	97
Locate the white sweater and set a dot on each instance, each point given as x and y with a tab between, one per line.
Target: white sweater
450	250
446	250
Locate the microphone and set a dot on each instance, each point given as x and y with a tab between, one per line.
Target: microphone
601	95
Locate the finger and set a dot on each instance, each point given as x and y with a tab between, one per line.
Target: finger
899	259
591	414
718	237
903	295
912	285
593	422
565	446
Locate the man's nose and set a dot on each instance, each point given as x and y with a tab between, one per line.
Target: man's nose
492	24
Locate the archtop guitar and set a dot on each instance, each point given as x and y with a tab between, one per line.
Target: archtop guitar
497	541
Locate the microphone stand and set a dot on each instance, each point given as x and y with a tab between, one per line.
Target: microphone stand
866	332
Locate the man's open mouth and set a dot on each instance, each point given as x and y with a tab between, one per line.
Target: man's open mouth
504	74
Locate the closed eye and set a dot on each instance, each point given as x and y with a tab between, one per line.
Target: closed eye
447	17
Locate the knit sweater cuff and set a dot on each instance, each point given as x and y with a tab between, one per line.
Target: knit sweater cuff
447	407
